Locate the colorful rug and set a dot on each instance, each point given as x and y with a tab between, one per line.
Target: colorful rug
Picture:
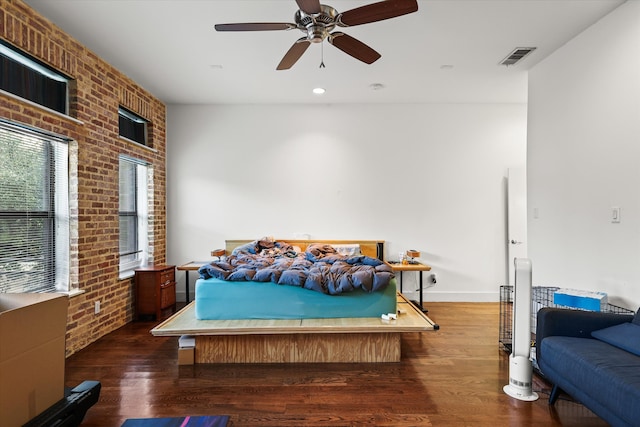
206	421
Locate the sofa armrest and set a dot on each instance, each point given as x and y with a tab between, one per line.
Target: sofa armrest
573	323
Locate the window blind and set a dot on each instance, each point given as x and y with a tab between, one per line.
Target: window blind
34	211
133	212
128	212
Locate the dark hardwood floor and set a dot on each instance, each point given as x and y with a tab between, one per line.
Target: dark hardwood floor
451	377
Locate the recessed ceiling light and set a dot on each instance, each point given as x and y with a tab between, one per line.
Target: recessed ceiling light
319	91
376	86
216	66
446	67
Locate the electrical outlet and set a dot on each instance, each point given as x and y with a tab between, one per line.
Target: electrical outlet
97	307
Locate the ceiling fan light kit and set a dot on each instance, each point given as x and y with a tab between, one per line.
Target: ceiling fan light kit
318	21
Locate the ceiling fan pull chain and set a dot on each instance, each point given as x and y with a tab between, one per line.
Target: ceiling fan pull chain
322	55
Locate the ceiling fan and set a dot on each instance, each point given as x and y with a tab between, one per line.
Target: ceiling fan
318	20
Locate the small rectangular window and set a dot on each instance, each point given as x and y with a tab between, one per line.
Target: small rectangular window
28	78
132	126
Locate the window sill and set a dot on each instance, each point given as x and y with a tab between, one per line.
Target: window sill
41	107
127	274
73	293
136	143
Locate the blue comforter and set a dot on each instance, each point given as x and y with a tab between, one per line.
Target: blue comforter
320	268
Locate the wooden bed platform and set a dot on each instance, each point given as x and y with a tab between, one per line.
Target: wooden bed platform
348	340
297	340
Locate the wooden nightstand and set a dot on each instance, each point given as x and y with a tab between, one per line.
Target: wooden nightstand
155	290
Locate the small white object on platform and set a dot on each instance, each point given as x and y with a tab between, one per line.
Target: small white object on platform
186	341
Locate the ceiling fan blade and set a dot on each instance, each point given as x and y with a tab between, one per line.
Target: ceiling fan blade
294	53
309	6
376	12
353	47
255	26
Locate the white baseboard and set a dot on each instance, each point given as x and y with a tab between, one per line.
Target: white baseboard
444	296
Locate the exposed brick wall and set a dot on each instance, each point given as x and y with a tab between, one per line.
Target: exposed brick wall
96	93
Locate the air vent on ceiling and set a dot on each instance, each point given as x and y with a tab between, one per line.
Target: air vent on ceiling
517	55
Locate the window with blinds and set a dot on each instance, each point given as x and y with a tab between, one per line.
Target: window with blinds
133	213
34	211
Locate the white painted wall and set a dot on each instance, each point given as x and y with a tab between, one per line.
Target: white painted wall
584	159
425	177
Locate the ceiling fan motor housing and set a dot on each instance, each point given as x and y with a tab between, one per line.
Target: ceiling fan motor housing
317	25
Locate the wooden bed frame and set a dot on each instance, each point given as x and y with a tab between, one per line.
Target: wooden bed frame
341	340
372	248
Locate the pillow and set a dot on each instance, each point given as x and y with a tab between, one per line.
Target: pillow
347	249
625	336
247	248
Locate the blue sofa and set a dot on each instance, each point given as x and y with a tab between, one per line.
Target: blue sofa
595	358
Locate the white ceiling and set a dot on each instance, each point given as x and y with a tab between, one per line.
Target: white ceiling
171	49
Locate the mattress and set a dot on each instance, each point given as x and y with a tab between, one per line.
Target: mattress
224	300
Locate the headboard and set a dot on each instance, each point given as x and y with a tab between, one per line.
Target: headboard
371	248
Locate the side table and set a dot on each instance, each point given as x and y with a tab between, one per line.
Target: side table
190	266
411	266
155	290
195	266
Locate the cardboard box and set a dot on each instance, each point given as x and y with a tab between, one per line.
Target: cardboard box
586	300
186	350
32	354
186	356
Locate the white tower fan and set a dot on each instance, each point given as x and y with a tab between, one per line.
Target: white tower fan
520	367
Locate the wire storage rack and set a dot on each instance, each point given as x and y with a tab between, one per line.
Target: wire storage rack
541	296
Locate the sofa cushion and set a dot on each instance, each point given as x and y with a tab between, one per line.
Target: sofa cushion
625	336
636	318
605	378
